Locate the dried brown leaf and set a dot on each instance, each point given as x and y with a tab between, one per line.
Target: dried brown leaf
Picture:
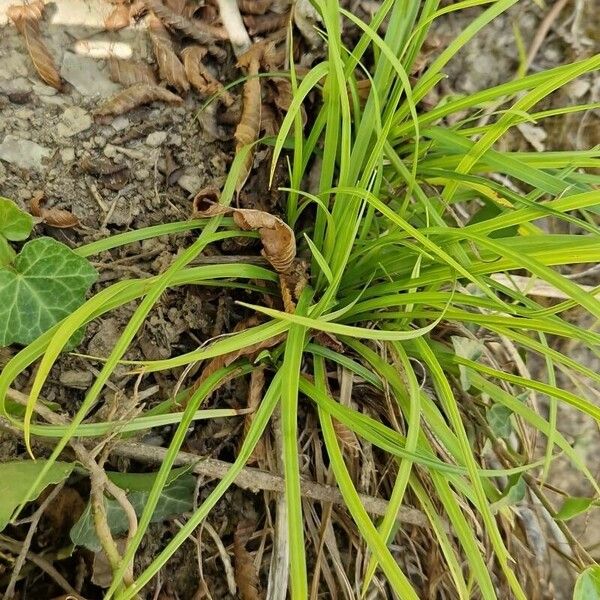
254	7
269	123
118	18
197	30
248	128
246	576
170	68
259	24
128	72
278	241
201	79
55	217
26	19
347	437
134	96
255	392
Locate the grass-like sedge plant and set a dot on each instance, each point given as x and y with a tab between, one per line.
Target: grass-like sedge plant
408	233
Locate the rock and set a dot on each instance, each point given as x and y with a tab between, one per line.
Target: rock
39	89
74	120
87	76
23	153
190	183
76	379
17	90
110	151
24	113
120	123
156	139
142	174
67	155
175	139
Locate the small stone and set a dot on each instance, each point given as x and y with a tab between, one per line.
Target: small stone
24	113
74	120
110	151
23	153
18	89
156	139
87	76
120	123
39	89
141	174
80	380
579	88
100	141
67	155
175	139
190	183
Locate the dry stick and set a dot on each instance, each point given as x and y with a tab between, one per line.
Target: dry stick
234	25
43	564
542	32
35	519
256	479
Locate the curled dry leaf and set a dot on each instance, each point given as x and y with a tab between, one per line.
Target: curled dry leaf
201	79
246	576
347	437
269	124
197	30
128	72
258	24
248	128
278	241
254	7
26	19
134	96
118	18
55	217
170	68
255	392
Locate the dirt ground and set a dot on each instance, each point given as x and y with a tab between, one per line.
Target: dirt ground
144	167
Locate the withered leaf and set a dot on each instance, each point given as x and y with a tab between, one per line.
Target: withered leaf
177	6
258	24
269	124
134	96
26	19
347	437
128	72
201	79
118	18
254	7
255	392
277	238
197	30
55	217
246	576
170	68
248	128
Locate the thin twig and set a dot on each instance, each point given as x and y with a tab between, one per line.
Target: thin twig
43	564
256	479
542	32
35	519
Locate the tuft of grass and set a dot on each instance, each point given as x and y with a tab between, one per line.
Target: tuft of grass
394	267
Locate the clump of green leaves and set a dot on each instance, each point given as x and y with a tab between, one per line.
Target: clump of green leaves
41	284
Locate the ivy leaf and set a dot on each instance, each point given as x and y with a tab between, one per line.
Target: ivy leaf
44	284
15	224
587	586
498	417
16	478
175	499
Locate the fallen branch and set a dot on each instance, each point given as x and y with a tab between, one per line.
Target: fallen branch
257	480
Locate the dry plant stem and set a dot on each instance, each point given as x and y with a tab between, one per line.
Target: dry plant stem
35	519
542	32
99	483
256	479
43	564
234	25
